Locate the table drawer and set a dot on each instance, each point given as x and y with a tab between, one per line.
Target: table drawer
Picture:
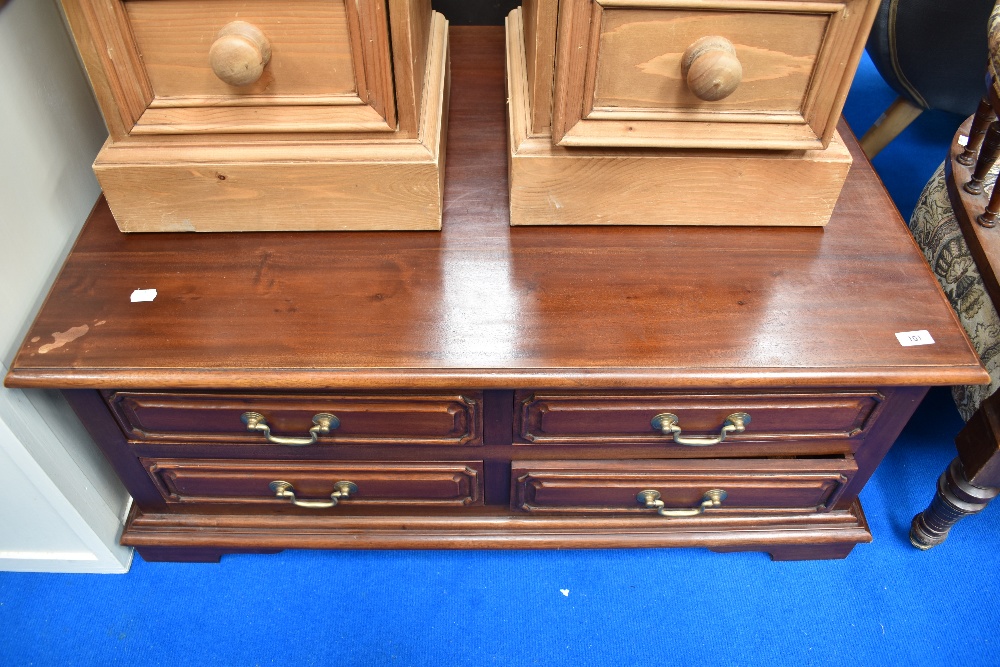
682	486
235	66
403	419
628	419
312	485
713	73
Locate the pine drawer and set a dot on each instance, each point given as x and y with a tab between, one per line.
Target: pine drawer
767	74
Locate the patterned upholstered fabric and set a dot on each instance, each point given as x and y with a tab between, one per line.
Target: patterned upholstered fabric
936	231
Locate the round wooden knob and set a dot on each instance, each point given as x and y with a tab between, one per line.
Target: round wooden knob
239	53
711	68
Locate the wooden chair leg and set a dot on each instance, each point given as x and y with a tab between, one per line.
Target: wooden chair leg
987	158
984	116
956	498
970	482
896	118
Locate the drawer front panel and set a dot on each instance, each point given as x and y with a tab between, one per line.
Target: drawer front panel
310	44
249	482
716	74
614	486
639	61
363	419
600	419
244	66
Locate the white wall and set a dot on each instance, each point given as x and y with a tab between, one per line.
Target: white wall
61	506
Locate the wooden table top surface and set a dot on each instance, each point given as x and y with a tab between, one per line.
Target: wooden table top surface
482	305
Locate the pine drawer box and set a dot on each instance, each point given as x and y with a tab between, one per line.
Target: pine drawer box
251	115
687	112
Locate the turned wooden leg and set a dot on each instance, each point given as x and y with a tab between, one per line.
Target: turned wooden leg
988	218
969	483
987	157
896	118
984	116
956	497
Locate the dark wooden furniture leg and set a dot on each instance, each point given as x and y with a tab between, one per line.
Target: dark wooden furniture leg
969	483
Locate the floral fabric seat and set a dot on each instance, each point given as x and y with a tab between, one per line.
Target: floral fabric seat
936	230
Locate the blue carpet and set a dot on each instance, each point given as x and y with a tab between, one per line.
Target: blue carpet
886	604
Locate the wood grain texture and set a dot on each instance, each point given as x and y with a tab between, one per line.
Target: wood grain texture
590	330
100	30
149	63
239	185
310	41
93	412
539	45
619	80
411	484
266	118
640	59
488	306
552	185
410	30
362	419
592	418
494	528
613	486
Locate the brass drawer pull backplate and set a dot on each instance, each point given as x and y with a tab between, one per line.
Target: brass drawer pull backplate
342	491
651	499
669	424
323	424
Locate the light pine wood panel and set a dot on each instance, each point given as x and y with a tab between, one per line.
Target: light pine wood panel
410	30
264	119
792	189
123	91
551	185
232	186
310	41
639	61
618	79
539	45
236	197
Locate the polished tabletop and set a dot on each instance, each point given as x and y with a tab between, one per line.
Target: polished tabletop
481	304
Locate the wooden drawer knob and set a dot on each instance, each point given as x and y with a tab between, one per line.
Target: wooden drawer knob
240	53
711	68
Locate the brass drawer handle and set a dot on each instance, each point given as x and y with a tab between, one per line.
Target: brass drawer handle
668	424
324	423
651	499
342	491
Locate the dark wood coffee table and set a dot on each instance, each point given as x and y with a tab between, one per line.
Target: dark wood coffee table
495	387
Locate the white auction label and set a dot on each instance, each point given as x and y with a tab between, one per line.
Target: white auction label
963	140
143	295
911	338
